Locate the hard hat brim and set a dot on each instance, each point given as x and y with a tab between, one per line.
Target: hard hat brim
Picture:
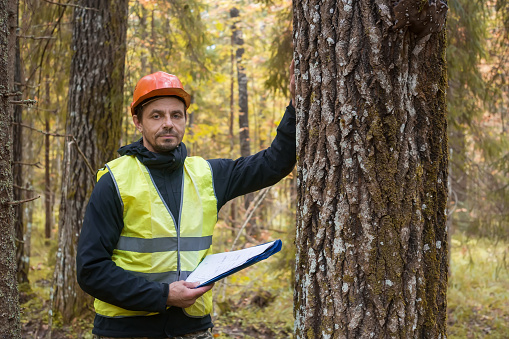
162	92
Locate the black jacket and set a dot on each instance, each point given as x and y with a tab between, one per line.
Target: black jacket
100	277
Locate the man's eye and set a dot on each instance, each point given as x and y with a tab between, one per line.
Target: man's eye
155	116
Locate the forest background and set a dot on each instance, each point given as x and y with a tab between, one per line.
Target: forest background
199	41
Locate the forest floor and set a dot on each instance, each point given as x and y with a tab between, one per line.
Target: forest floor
257	304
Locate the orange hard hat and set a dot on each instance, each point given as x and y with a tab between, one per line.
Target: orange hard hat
158	84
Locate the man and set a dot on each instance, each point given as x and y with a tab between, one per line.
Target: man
150	218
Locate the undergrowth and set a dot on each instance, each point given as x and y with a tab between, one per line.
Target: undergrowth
478	294
258	302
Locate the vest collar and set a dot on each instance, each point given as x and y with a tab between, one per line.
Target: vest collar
168	160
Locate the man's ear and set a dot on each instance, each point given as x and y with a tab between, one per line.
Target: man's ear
137	123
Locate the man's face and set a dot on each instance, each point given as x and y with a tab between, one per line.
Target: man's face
163	124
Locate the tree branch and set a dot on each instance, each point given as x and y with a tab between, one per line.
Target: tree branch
13	94
43	132
257	201
70	136
33	37
28	102
71	5
36	164
83	155
19	202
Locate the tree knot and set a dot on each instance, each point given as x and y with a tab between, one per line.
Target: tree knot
421	17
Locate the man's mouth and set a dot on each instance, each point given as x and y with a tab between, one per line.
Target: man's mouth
166	136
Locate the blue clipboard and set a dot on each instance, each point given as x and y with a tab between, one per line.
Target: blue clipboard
276	247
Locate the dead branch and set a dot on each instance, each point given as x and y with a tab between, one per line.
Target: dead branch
73	141
36	164
259	198
13	94
71	5
43	132
33	37
83	155
28	102
19	202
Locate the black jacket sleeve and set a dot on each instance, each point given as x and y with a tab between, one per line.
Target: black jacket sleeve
233	178
97	274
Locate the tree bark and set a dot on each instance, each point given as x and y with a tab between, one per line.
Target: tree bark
372	169
95	116
9	301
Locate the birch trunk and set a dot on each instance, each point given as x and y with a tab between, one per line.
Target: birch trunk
372	169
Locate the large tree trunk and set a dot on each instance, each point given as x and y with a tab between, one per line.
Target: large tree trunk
372	169
95	115
9	301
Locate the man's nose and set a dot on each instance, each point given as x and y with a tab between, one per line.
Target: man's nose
167	122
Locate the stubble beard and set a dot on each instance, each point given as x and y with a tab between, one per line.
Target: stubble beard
164	147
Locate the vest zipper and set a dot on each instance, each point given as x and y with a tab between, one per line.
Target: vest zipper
177	226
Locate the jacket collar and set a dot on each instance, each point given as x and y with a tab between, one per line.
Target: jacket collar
168	160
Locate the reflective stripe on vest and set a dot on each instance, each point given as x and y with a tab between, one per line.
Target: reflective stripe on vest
150	246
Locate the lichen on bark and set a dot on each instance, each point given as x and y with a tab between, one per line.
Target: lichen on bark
9	300
372	172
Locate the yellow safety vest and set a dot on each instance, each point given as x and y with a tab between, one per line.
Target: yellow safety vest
150	245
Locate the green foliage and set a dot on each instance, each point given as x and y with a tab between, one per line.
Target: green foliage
466	31
281	51
477	98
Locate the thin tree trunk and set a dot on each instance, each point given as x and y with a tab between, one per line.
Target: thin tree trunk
142	17
152	42
232	94
9	301
372	169
17	170
244	140
245	146
47	180
95	117
233	203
